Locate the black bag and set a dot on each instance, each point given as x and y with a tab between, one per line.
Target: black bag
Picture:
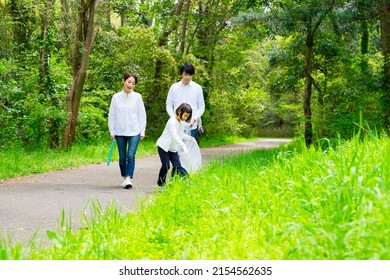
199	133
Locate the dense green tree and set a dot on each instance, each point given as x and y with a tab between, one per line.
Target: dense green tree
341	90
304	17
46	81
257	61
23	17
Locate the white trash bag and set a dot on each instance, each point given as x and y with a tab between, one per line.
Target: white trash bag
193	161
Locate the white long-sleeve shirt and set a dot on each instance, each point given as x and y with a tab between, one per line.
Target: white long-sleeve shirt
171	138
191	94
127	115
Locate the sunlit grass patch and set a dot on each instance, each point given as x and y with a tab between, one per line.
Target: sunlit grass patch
286	203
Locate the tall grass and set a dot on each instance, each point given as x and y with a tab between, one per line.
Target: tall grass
286	203
20	161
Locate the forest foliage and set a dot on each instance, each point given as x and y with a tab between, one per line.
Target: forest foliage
268	68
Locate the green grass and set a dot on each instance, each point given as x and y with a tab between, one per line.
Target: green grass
286	203
20	161
222	140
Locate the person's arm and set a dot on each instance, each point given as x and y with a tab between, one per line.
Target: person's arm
199	121
169	103
196	114
172	129
201	104
141	116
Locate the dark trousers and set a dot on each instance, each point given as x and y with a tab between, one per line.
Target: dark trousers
177	169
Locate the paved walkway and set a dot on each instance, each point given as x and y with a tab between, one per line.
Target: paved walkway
32	204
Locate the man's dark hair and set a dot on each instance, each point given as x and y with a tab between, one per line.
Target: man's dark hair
188	68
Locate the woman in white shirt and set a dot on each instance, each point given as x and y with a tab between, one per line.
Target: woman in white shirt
127	123
170	142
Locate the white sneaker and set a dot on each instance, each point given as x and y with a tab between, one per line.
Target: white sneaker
127	184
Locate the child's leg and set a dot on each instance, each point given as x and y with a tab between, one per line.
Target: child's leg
177	168
164	157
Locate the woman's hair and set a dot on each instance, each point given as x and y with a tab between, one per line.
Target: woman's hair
128	75
188	68
184	108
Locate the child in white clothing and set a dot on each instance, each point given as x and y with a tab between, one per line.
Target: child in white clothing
170	142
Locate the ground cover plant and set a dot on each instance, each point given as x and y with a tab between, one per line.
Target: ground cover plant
43	159
327	202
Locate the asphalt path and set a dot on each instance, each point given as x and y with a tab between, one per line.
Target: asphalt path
31	205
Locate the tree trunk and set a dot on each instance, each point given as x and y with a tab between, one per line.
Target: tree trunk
308	90
184	26
85	35
365	35
384	7
44	51
321	102
311	31
362	8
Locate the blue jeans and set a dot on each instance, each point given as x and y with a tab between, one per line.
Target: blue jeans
192	132
165	158
127	147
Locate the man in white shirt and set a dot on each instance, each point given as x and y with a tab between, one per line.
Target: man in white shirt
186	91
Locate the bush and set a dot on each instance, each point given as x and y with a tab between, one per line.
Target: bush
92	119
